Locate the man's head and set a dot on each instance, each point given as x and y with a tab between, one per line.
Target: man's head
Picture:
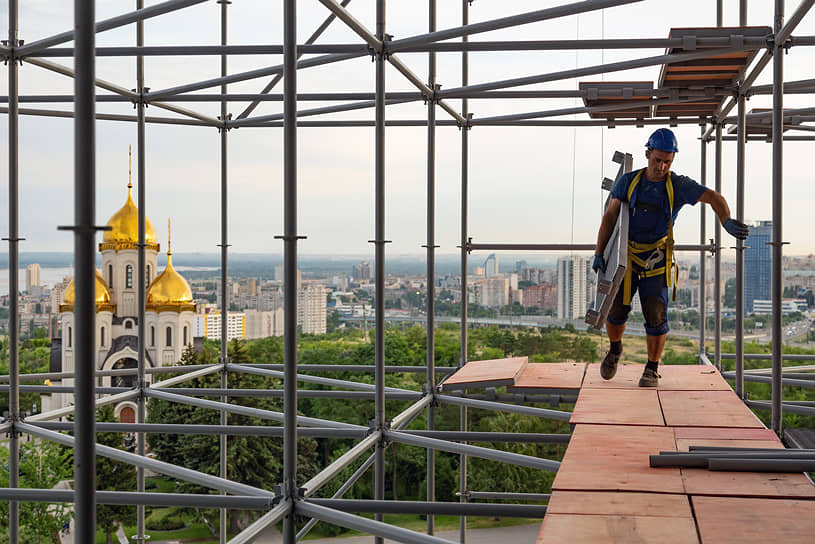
660	150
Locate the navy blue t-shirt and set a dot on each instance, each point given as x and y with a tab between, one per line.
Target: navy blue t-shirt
649	208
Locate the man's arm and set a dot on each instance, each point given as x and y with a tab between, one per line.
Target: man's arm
736	229
607	225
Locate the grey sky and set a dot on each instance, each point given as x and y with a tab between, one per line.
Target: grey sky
526	184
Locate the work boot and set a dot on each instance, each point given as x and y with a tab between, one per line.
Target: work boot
609	367
649	378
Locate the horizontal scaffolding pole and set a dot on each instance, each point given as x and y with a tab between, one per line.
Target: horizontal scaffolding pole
247	121
473	451
114	117
301	393
465	436
231	430
701	459
246	410
501	407
68	410
566	247
788	408
209	50
312	379
109	24
505	496
376	528
789	382
161	467
762	465
132	498
360	506
47	389
768	357
593	70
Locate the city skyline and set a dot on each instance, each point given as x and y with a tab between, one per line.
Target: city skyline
521	178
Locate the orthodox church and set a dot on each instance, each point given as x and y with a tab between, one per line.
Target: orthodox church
169	310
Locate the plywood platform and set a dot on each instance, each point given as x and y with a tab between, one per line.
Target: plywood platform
547	377
490	373
605	490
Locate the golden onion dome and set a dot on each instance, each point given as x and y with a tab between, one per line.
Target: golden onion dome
124	226
170	291
102	297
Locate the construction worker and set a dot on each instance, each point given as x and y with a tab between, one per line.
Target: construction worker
652	196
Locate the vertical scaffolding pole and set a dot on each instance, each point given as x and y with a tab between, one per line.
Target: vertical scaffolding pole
431	263
741	144
290	264
85	279
222	440
717	259
702	256
13	269
465	151
379	272
777	244
141	296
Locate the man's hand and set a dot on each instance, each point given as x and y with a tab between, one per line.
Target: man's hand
737	229
599	263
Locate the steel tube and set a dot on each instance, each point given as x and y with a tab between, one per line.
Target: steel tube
790	382
741	156
465	436
465	239
340	463
359	506
564	247
776	277
430	310
68	410
142	280
501	407
792	409
473	451
13	267
274	515
379	272
374	42
223	416
161	467
377	528
84	281
315	379
702	253
717	258
594	70
762	465
248	411
506	22
107	24
233	430
497	495
301	393
783	34
129	498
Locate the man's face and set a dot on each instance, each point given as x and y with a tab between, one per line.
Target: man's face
659	163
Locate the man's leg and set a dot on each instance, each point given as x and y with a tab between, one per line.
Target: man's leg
615	332
654	299
655	346
615	327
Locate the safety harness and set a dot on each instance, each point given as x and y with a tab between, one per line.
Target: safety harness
666	244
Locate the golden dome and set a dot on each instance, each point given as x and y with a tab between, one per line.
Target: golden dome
102	298
124	226
170	291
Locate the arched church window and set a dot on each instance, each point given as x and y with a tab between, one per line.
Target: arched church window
110	276
152	336
185	336
148	274
70	337
102	336
169	336
129	277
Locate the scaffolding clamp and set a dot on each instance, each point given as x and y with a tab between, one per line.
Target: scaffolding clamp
139	99
225	123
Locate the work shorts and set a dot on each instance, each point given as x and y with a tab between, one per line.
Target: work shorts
654	300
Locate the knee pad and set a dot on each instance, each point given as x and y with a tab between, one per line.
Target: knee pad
655	310
618	313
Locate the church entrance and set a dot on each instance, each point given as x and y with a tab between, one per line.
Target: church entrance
128	380
127	415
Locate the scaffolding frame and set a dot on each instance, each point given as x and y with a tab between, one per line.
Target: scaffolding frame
288	500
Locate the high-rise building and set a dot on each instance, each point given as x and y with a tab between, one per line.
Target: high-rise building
208	325
572	287
311	315
492	292
757	261
362	271
32	276
491	266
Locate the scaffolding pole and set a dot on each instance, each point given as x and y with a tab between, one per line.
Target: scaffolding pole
776	279
702	253
717	259
741	157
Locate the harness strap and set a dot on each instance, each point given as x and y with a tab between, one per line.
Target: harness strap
666	242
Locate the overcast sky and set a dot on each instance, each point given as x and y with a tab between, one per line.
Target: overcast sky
526	184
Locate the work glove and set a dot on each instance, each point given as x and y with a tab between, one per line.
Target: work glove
598	264
736	229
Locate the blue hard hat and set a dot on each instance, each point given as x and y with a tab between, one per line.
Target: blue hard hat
664	140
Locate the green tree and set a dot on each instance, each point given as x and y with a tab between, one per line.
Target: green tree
42	466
